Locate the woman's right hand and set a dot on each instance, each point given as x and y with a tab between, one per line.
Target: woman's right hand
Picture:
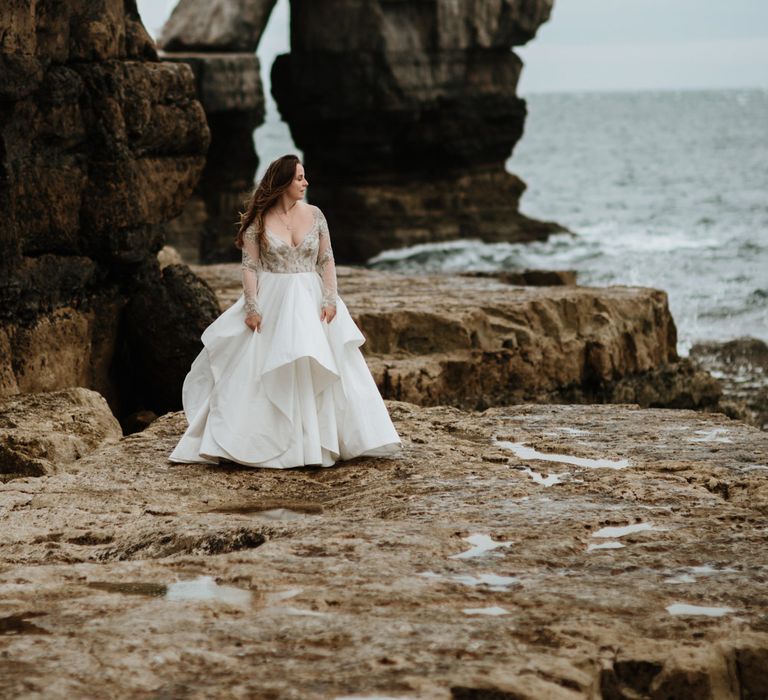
253	321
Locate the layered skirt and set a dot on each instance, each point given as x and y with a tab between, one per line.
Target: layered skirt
296	393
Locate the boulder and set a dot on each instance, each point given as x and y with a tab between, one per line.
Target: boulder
163	324
43	433
229	88
741	365
216	25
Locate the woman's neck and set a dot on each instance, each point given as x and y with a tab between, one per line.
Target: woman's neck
285	204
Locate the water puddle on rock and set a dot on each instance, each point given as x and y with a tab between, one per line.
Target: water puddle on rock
623	530
19	624
605	545
712	435
492	582
272	509
686	609
691	574
493	610
481	545
520	450
200	588
545	481
206	588
302	611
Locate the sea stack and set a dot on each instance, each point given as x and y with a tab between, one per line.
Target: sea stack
406	114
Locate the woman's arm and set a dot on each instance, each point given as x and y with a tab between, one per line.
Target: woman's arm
251	266
326	266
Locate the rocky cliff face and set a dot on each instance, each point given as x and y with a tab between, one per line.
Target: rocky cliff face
528	552
99	144
406	113
475	342
218	40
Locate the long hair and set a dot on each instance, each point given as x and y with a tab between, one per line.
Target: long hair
275	181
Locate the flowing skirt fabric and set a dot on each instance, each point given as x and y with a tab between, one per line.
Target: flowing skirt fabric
298	392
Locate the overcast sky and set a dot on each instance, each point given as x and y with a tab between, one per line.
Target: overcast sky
613	44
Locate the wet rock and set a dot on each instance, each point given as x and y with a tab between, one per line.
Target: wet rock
421	100
42	433
367	593
741	365
532	278
100	144
476	341
218	25
229	88
163	325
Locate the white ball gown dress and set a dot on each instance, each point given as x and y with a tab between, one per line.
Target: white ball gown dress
299	391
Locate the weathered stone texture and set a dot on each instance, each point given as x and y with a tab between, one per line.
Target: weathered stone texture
354	580
216	25
99	144
43	433
229	88
741	365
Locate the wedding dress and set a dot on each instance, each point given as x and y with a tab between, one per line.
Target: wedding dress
298	392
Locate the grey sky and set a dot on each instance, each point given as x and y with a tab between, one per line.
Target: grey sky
614	44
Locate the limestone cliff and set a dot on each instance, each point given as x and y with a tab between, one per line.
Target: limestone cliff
99	144
218	40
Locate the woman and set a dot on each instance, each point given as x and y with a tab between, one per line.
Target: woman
281	381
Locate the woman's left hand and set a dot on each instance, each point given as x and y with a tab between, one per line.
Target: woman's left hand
328	313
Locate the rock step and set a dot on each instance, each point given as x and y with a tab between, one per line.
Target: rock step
475	341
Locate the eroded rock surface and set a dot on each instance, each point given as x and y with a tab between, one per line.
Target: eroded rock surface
42	433
741	365
526	552
229	88
474	342
216	25
420	100
100	144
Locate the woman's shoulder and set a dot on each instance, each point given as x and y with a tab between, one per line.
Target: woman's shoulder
317	213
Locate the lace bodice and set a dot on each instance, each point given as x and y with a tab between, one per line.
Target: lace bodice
313	253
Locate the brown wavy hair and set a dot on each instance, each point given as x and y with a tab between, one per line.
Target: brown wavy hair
276	180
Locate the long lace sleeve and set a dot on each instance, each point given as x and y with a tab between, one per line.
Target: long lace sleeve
251	267
326	266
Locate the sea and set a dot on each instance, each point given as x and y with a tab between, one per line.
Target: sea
663	189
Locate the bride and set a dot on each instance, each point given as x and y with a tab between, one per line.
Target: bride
281	381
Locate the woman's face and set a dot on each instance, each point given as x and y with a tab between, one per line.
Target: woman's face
299	185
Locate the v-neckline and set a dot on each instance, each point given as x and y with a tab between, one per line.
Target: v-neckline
300	243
